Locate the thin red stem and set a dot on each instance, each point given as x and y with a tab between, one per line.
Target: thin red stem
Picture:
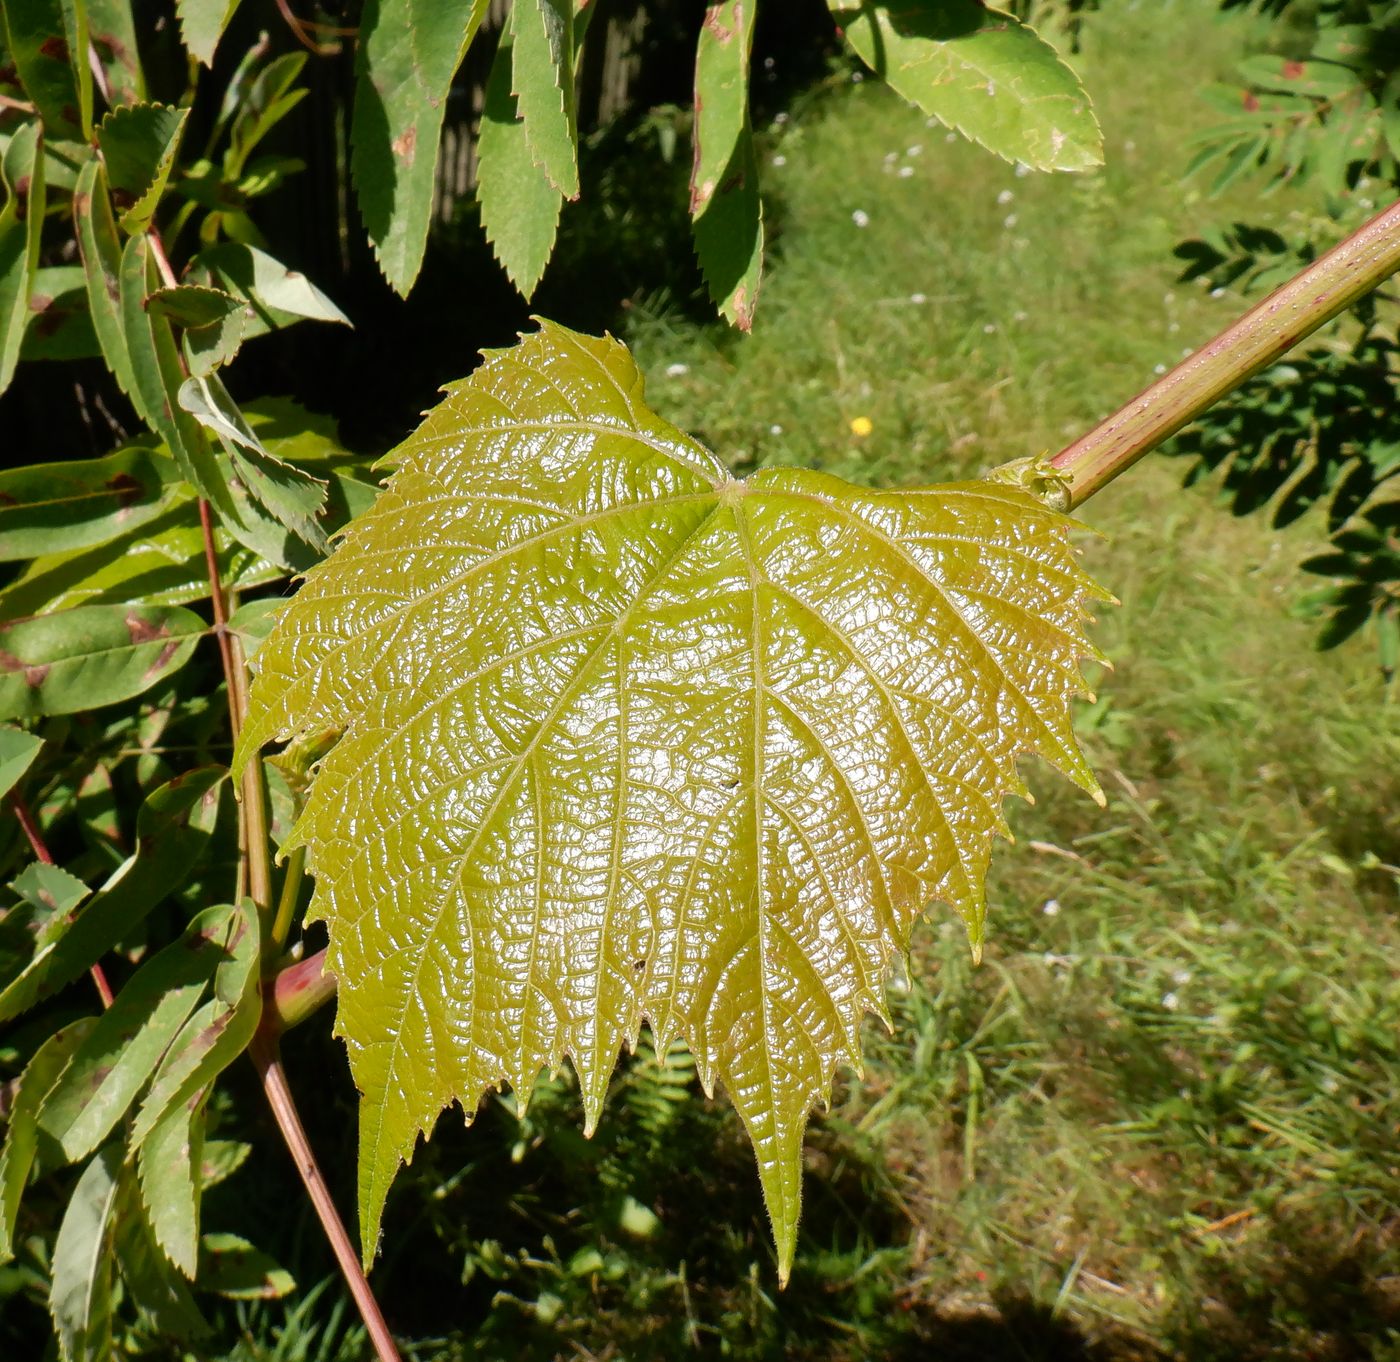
264	1055
41	851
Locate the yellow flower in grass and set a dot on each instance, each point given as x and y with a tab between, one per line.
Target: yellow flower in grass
861	426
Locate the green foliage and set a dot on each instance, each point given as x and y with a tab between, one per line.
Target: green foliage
1317	431
723	794
977	69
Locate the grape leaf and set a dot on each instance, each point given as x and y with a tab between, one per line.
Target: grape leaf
625	738
724	202
980	71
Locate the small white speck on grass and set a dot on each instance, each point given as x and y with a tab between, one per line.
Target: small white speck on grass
905	172
857	77
1022	170
1217	293
1159	368
1170	1001
918	299
891	157
1009	221
861	218
951	137
1021	317
775	429
1051	907
1182	977
1168	298
779	119
990	329
780	160
1004	198
676	370
916	150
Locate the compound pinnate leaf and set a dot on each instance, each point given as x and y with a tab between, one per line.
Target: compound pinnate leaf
625	738
409	51
980	71
724	201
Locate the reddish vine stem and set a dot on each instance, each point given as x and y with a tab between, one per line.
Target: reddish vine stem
40	848
263	1051
268	1063
1328	286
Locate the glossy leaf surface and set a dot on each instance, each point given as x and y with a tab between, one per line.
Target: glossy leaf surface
980	71
625	738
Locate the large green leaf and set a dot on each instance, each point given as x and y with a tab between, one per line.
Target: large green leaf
21	222
93	655
724	200
625	737
173	829
519	205
409	52
80	1295
981	71
54	507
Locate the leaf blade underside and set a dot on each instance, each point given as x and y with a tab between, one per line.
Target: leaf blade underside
626	739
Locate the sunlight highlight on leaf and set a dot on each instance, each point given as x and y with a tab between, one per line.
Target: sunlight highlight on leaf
627	739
